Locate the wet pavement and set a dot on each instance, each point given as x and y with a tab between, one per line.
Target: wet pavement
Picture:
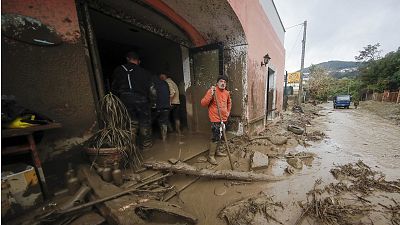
177	146
352	135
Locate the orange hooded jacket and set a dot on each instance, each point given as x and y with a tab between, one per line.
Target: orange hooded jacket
224	102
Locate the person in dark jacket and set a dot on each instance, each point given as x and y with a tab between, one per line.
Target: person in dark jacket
133	85
163	106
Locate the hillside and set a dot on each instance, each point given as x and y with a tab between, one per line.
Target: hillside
339	69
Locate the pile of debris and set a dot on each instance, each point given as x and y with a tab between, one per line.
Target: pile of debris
353	198
364	180
98	201
255	210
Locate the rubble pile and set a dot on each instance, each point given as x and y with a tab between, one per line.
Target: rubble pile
364	180
255	210
354	198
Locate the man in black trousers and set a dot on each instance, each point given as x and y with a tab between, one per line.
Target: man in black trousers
133	85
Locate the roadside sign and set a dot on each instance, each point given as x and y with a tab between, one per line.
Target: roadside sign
294	77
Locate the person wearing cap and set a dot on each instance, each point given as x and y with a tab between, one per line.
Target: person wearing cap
133	85
218	101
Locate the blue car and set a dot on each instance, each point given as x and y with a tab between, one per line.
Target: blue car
341	101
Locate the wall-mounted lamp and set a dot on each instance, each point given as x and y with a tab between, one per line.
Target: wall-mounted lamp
266	59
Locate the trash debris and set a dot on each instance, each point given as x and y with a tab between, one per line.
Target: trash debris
295	129
332	205
278	140
297	109
156	211
364	179
289	169
315	136
247	211
332	210
295	162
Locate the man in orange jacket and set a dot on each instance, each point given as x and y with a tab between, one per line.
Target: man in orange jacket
218	101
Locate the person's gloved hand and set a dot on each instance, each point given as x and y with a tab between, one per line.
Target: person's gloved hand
212	90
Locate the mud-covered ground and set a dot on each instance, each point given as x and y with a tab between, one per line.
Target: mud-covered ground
351	135
387	110
343	169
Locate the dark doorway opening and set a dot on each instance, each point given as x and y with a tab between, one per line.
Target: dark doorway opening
270	94
114	38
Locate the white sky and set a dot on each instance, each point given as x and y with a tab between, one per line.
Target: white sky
338	29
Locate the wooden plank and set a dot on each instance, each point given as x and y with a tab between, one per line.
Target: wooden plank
119	211
5	133
15	149
90	218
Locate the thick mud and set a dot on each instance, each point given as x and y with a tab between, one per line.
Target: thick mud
334	136
351	136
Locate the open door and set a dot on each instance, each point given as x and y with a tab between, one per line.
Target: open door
270	94
206	66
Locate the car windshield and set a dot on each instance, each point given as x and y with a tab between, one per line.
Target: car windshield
343	98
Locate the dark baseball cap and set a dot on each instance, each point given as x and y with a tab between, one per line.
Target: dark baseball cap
225	78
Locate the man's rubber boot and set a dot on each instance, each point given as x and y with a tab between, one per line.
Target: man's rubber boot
134	132
211	153
170	128
146	139
178	126
164	130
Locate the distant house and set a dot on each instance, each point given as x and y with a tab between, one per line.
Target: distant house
195	40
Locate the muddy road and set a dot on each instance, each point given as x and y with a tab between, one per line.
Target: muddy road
352	135
366	136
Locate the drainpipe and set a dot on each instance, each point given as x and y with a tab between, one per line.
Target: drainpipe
285	95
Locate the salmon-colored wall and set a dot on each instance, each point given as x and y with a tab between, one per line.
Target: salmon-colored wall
51	80
261	39
60	14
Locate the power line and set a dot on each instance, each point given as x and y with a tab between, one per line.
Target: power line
287	28
295	42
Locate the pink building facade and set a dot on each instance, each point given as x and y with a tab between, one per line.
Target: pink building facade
196	41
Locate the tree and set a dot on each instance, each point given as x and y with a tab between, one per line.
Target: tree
319	83
351	86
370	53
382	74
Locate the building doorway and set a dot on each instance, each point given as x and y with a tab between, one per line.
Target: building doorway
270	103
111	38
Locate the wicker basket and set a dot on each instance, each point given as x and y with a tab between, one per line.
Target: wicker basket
104	157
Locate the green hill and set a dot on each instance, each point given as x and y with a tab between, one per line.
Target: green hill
339	69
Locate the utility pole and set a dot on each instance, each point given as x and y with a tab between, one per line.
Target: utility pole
303	51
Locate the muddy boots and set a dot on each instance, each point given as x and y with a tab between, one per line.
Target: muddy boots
170	128
146	139
164	130
178	126
133	130
211	153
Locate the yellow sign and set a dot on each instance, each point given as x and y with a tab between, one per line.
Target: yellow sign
294	77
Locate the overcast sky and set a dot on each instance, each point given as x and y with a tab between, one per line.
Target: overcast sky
338	29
